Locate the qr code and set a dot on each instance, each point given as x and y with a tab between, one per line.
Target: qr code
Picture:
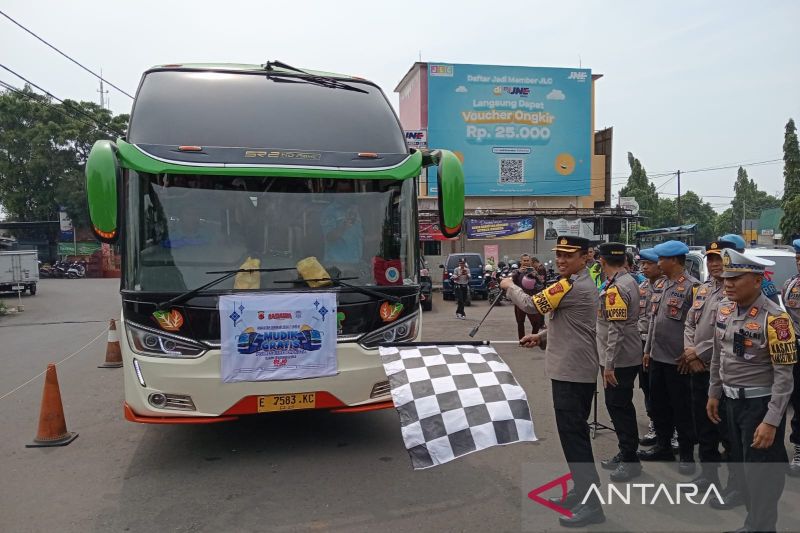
512	171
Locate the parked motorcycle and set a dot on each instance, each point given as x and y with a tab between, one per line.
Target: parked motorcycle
77	269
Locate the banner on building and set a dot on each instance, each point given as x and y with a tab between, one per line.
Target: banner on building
429	231
500	228
84	248
269	337
556	227
417	139
491	253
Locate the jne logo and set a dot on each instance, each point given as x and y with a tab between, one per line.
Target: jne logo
578	76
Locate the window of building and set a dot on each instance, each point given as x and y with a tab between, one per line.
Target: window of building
431	248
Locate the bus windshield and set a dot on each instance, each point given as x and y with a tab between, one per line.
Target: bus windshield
181	226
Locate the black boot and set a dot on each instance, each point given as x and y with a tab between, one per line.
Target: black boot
708	476
569	501
687	466
626	471
656	453
583	515
613	463
730	500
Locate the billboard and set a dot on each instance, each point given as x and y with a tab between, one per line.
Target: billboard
517	130
518	228
556	227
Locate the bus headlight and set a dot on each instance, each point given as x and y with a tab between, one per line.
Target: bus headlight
146	341
401	331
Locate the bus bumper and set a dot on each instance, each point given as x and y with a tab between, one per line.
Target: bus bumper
360	385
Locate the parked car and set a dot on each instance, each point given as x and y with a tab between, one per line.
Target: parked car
477	283
425	286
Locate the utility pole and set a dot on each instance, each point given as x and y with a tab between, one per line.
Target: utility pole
103	92
744	214
680	220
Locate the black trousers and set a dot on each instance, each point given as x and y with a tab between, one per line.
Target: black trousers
536	320
461	292
644	384
761	471
619	402
794	438
572	403
707	432
671	406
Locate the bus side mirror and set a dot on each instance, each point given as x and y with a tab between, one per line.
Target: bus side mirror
450	182
102	178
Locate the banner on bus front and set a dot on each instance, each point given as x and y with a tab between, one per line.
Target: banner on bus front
277	336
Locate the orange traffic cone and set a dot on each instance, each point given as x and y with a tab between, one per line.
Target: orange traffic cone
52	426
113	352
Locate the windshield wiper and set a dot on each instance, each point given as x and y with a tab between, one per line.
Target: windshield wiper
227	275
324	81
358	288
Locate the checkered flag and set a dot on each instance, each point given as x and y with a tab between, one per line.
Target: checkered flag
454	400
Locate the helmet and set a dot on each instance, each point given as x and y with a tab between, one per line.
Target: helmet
514	266
488	268
737	240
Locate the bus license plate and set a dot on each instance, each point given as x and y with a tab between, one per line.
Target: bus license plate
286	402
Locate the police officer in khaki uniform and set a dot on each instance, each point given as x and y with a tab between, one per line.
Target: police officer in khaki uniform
791	299
698	343
670	394
648	263
620	349
754	353
571	363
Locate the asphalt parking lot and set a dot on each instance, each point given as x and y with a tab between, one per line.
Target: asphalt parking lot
301	471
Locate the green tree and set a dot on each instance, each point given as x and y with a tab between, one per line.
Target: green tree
790	224
748	201
641	188
43	150
725	223
665	213
695	211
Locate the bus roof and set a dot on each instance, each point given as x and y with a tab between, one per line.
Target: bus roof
246	67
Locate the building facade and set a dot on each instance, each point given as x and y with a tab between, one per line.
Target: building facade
534	165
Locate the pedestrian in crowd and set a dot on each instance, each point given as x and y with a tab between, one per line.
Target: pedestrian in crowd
648	262
571	363
670	391
529	281
620	350
595	272
460	278
754	351
698	343
630	266
791	299
767	286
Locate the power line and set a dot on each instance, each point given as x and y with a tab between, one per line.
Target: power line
65	55
63	112
51	95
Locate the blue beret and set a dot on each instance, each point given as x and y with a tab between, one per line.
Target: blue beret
796	244
737	240
648	254
671	249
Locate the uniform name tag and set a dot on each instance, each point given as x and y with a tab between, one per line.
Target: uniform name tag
781	340
616	308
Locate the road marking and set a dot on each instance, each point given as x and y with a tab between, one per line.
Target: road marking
40	374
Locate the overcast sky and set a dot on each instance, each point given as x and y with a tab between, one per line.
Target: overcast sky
686	85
